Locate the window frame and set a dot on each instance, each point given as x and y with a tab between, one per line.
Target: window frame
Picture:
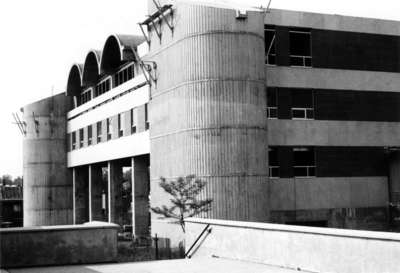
302	57
309	168
146	117
73	140
99	129
133	121
109	128
90	134
272	167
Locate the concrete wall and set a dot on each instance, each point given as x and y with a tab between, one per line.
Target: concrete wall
58	245
306	248
207	112
47	181
332	133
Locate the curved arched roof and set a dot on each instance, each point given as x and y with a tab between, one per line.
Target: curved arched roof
117	49
74	84
91	68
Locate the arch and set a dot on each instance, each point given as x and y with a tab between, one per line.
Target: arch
74	84
91	68
117	49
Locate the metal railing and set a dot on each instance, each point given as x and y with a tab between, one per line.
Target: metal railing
198	238
304	171
302	113
301	61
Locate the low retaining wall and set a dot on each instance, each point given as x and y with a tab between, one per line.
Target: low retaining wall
296	247
58	245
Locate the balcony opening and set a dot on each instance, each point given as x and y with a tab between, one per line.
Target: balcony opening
270	51
300	48
121	124
73	141
109	128
81	137
304	162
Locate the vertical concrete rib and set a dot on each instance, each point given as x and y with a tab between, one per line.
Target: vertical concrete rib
208	111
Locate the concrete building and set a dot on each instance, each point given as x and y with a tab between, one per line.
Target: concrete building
291	117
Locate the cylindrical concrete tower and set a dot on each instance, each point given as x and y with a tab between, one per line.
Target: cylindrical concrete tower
208	110
47	185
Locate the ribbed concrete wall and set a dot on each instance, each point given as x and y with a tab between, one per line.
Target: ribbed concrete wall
47	183
207	112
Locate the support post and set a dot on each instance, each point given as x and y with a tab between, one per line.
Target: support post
73	196
109	193
90	193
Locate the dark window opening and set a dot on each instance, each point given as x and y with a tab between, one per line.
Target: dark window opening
85	96
121	124
273	169
302	104
98	129
304	162
109	128
73	141
133	120
146	117
103	87
270	51
272	103
300	48
81	138
89	129
124	75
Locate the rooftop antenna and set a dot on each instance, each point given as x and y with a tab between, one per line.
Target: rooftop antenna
21	124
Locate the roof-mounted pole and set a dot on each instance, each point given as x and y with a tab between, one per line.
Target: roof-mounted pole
158	32
146	68
161	12
144	33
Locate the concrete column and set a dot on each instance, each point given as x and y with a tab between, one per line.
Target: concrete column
81	194
115	192
90	193
73	197
140	196
98	187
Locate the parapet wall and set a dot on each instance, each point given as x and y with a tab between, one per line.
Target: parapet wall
58	245
306	248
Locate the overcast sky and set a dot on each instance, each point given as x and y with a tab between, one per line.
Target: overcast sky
41	39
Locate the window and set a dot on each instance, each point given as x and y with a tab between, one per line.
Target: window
146	116
124	75
85	96
273	169
304	162
73	141
109	128
98	131
89	131
103	87
81	138
300	48
270	52
272	103
121	124
302	104
133	120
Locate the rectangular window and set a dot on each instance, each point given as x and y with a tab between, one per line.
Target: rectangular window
103	87
133	120
124	75
85	96
89	130
272	103
304	162
146	116
109	128
81	137
270	51
302	104
73	141
121	124
273	162
98	131
300	48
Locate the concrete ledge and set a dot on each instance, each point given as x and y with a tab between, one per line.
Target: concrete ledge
58	245
307	248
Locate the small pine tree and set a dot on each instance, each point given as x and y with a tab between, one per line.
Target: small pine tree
184	191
